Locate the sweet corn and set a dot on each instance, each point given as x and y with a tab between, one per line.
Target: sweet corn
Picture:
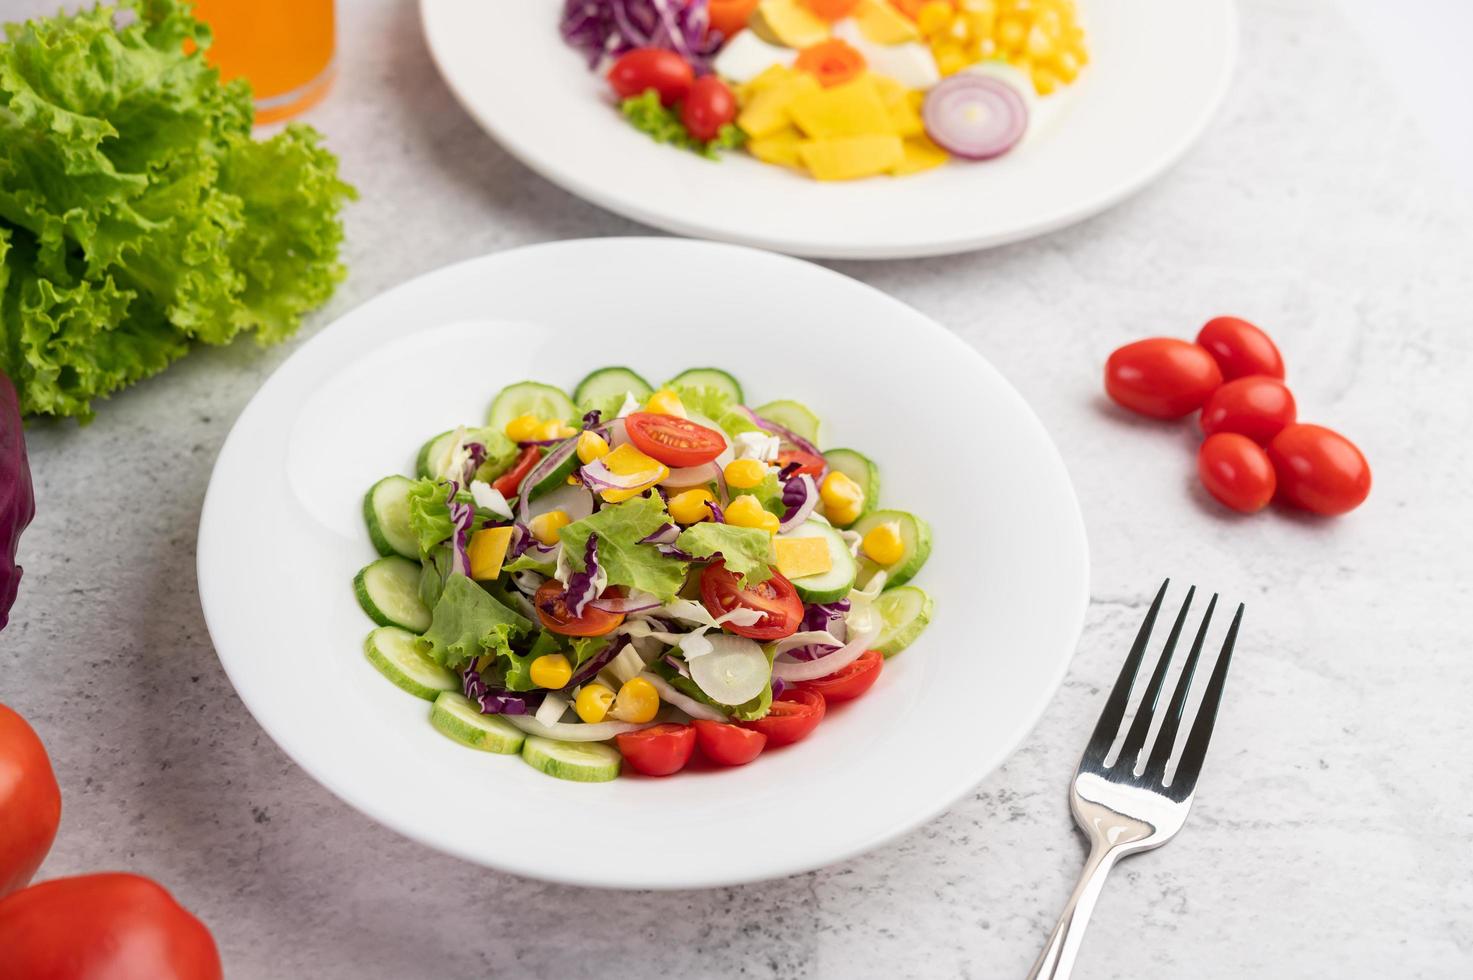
745	511
1041	38
524	428
665	402
745	473
544	527
843	499
551	670
637	701
690	507
883	543
934	16
593	703
591	446
555	429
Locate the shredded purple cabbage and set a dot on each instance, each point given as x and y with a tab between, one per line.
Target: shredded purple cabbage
611	27
594	664
786	472
800	498
670	551
664	534
821	616
717	514
778	687
677	665
590	420
582	586
495	701
462	516
17	494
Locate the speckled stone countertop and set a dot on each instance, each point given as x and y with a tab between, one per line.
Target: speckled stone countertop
1333	830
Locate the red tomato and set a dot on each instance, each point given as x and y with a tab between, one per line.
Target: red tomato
775	597
556	616
850	682
104	925
30	802
807	462
1319	469
1162	377
1240	348
1236	471
708	106
795	714
507	483
730	16
1256	406
658	751
672	440
728	745
651	68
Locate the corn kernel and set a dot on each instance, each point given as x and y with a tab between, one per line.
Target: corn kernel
883	543
551	670
950	58
544	527
1038	44
591	446
1010	33
843	499
745	473
665	402
555	429
690	507
1045	82
593	703
524	428
637	701
745	511
934	16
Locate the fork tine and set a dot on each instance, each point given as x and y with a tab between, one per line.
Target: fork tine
1166	738
1195	750
1135	739
1114	712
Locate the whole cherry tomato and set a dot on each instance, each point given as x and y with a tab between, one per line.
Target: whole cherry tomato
659	750
848	683
113	926
708	106
651	68
30	802
1240	348
726	744
1319	469
1236	471
1256	406
794	715
1162	377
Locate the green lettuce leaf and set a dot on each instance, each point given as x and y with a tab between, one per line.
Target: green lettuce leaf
516	669
429	513
747	551
769	494
663	125
627	562
467	623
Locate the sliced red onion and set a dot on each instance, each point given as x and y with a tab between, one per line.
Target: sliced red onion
670	551
692	476
664	534
549	463
822	615
572	500
677	665
800	496
635	601
975	117
807	645
826	665
778	687
598	476
569	731
782	431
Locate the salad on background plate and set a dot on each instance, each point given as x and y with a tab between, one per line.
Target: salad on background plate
619	576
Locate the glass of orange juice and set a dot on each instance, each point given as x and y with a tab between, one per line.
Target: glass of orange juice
284	48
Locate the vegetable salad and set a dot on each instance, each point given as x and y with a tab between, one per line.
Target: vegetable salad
609	579
835	89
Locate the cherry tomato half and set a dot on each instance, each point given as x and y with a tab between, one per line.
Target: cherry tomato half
707	107
1162	377
1256	406
1240	348
557	617
507	483
1319	469
795	714
659	750
807	462
775	598
672	440
30	802
1236	471
728	745
651	68
848	683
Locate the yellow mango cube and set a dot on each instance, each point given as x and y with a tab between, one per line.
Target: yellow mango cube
770	108
797	557
487	551
904	119
780	148
851	109
920	154
851	157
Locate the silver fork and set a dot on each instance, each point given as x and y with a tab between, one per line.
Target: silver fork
1122	812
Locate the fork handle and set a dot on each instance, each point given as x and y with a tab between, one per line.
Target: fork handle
1056	962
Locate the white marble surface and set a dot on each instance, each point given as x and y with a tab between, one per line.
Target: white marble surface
1333	834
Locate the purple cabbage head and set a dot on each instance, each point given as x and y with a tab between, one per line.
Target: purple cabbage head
17	496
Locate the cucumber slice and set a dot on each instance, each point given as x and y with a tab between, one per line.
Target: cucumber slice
583	762
709	378
859	468
906	612
457	718
835	583
392	651
558	475
530	397
916	534
791	415
434	451
386	511
610	384
388	590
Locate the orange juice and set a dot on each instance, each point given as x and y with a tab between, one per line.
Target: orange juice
283	48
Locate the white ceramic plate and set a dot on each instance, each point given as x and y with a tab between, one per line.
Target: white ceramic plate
1159	69
282	535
